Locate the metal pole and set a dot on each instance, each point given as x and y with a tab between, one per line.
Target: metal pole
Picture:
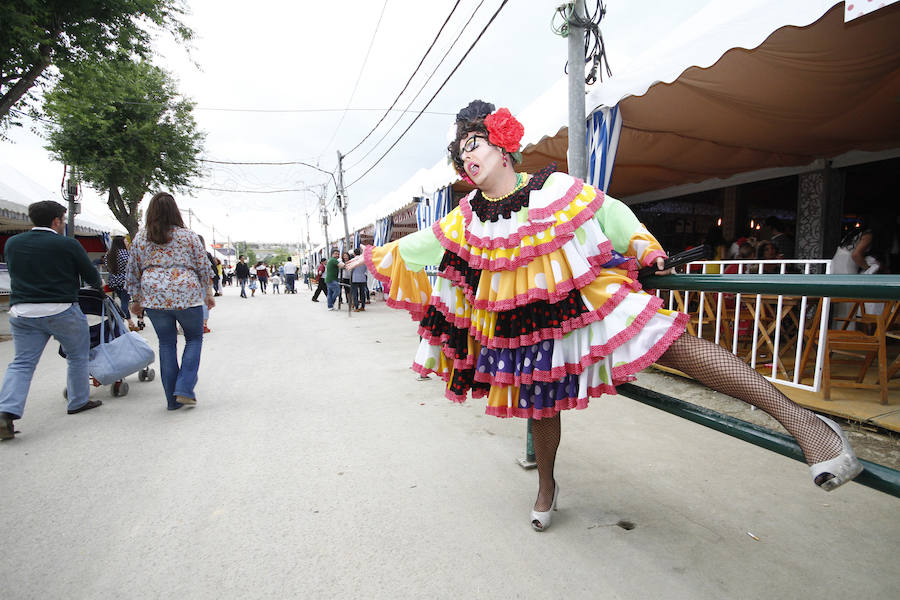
342	199
577	125
71	192
879	477
324	218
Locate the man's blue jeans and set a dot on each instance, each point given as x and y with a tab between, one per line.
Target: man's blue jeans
30	336
333	291
178	381
243	282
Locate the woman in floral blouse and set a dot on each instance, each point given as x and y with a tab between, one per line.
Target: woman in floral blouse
169	276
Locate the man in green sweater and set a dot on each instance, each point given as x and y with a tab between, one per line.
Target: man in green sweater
46	269
332	285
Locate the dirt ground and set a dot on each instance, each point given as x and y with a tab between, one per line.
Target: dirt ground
878	446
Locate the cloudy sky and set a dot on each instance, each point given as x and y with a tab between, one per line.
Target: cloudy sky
282	82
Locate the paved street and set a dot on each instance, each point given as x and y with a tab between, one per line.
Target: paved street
317	466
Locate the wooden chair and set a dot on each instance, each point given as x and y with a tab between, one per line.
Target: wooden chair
862	346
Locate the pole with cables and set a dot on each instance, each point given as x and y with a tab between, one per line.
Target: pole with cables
71	196
323	212
577	155
342	199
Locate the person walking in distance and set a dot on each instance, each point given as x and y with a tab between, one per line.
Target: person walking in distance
242	272
358	284
262	276
46	269
290	277
331	278
320	281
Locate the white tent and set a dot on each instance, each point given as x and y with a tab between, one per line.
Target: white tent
756	85
748	89
18	191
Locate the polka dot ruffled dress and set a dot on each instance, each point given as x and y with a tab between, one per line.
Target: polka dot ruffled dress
533	308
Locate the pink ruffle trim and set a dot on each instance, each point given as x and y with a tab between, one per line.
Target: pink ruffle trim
595	355
530	229
659	348
564	232
533	294
547	333
651	258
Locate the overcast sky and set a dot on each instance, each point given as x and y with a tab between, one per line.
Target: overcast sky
271	80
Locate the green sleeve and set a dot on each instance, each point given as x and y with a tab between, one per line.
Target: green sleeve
618	223
420	249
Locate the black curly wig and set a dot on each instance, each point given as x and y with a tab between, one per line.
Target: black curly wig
471	120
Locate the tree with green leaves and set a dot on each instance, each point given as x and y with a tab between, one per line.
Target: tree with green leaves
121	122
35	34
245	249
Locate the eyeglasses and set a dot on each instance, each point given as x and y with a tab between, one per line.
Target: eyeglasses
472	143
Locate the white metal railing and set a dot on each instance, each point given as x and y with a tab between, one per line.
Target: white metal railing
767	337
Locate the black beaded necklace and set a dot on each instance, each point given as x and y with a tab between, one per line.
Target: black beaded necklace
488	210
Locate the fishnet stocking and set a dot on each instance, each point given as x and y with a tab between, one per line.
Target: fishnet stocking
715	367
545	435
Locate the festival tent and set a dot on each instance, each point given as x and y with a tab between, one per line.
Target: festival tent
741	91
18	191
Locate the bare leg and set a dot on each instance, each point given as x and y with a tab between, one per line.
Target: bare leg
546	434
715	367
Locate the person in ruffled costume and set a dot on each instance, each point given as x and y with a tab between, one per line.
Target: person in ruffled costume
538	307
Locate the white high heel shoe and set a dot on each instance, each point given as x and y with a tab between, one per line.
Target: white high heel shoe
541	520
845	466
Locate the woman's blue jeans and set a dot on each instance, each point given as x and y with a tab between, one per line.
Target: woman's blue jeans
178	380
124	299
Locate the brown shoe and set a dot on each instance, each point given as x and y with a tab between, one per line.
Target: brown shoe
6	426
186	401
86	406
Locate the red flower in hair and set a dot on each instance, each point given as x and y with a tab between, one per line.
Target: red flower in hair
504	131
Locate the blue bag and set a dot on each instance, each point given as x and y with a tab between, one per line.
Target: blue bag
112	360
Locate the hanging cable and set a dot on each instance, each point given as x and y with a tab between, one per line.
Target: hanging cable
594	48
494	16
212	189
421	89
358	77
419	66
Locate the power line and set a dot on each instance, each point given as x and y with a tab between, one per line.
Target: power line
394	103
421	89
358	77
297	162
494	16
232	162
280	110
212	189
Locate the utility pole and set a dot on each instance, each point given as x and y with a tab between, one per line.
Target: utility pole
577	126
342	199
323	212
74	206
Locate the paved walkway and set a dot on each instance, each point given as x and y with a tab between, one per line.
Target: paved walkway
316	466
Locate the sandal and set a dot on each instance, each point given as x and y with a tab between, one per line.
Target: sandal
842	468
541	520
